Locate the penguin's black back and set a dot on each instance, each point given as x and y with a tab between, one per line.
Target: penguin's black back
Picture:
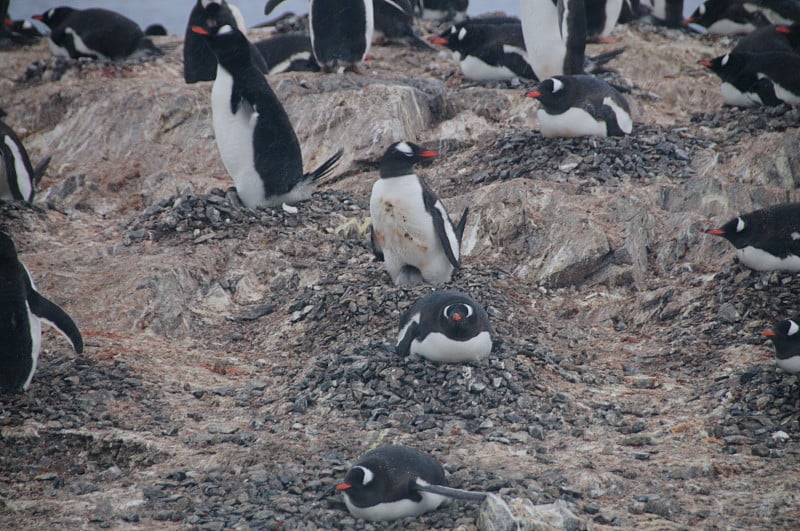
338	29
107	32
764	39
15	333
280	48
430	309
7	158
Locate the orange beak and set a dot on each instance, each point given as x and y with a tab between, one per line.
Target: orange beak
768	333
343	486
429	154
715	232
533	94
783	29
200	31
688	20
37	17
706	64
435	39
457	317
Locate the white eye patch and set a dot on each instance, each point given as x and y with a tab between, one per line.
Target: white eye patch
224	30
557	85
462	34
403	147
739	224
793	328
368	475
725	59
702	9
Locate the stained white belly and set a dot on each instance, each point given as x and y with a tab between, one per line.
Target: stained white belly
397	509
405	230
440	348
762	261
234	134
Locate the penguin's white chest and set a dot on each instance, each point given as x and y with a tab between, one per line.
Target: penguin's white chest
737	98
396	509
234	135
405	230
574	122
442	349
791	365
23	178
476	69
543	39
763	261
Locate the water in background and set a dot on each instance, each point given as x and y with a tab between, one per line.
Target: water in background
174	14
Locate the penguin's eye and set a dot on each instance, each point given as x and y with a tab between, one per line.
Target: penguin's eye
462	34
725	59
793	328
404	148
739	225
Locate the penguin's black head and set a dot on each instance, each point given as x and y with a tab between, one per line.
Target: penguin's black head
458	319
726	65
401	156
709	12
7	249
555	94
785	335
792	33
458	38
228	43
738	231
54	17
362	485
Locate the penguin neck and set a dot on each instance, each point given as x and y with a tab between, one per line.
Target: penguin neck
392	169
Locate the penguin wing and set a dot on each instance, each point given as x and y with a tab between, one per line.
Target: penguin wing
515	58
407	336
441	223
392	4
53	315
376	246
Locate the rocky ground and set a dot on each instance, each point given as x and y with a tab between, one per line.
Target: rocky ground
238	361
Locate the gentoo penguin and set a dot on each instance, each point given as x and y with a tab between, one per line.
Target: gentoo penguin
22	32
394	481
22	310
18	178
199	62
394	22
254	135
766	239
601	17
445	327
95	33
732	17
792	35
410	227
288	52
786	339
488	49
770	38
581	106
555	36
750	79
455	10
341	32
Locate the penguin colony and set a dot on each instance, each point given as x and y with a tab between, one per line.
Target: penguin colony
411	231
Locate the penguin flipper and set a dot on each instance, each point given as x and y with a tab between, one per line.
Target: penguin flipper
450	492
404	344
441	222
594	64
461	225
53	315
38	172
376	247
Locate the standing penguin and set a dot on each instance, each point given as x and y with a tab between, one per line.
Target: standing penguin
254	135
199	62
555	36
22	310
410	227
394	21
341	32
446	327
581	106
18	178
394	481
767	239
785	337
95	33
601	17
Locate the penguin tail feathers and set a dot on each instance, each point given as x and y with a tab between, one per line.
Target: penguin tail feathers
38	172
450	492
594	64
459	230
325	168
